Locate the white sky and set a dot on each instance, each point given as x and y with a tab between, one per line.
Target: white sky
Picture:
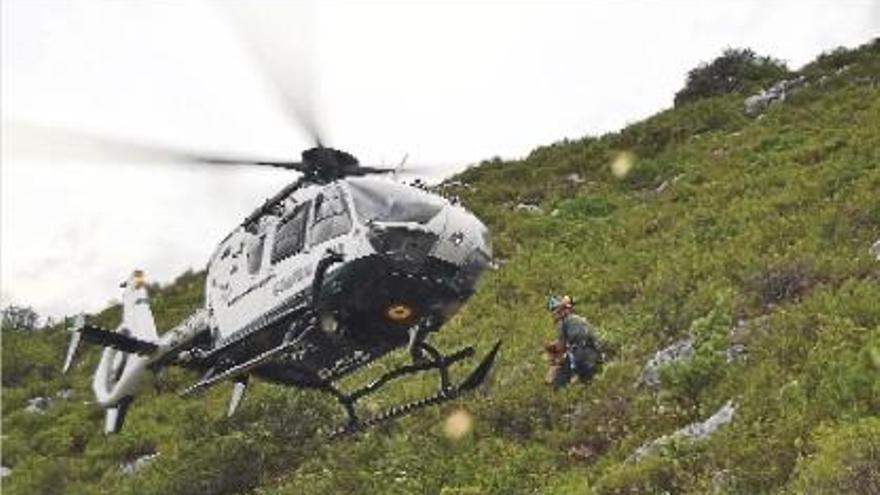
450	83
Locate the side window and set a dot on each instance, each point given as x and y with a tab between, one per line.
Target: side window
332	218
290	237
255	254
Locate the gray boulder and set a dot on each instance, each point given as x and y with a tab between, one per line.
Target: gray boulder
65	393
666	183
527	207
679	351
737	338
758	102
735	352
692	432
37	405
702	429
574	179
132	467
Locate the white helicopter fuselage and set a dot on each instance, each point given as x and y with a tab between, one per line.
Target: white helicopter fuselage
244	282
257	270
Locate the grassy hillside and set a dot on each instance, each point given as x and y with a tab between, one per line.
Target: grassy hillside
726	228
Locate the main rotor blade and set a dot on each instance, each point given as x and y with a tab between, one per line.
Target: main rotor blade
417	170
406	169
280	37
364	170
26	141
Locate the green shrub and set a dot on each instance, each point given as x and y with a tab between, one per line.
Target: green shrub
684	381
585	207
674	469
735	71
845	458
222	465
782	284
43	475
770	225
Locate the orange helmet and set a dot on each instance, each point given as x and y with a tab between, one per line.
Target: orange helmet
556	303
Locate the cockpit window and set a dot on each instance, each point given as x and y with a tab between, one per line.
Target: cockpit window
331	216
291	234
255	253
386	201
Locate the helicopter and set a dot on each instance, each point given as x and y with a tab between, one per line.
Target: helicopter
333	272
336	270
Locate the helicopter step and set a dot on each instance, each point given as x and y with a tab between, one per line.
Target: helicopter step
240	369
446	391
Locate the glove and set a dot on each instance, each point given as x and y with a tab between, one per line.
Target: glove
555	352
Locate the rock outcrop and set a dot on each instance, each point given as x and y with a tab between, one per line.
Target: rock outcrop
757	103
132	467
679	351
37	405
692	432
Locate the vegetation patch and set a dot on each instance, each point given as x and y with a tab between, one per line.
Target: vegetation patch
759	237
585	207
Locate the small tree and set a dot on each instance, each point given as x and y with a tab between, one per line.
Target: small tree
19	318
735	71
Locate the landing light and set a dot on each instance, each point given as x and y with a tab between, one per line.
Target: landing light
138	279
398	312
329	323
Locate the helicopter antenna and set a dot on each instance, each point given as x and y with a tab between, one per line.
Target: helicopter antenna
272	202
398	168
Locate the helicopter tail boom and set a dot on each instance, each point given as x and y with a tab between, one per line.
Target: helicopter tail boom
132	351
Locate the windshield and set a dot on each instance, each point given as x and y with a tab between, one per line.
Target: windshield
386	201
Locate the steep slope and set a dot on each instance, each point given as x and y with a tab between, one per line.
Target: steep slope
748	234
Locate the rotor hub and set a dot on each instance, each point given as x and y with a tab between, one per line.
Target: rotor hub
328	164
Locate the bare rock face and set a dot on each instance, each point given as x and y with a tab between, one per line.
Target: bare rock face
5	471
757	103
666	183
498	262
701	430
875	249
574	179
737	338
722	482
136	465
679	351
527	207
37	405
64	394
692	432
458	184
736	352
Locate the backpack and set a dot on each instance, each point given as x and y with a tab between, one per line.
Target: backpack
574	332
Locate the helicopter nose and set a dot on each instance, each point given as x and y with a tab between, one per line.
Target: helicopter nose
408	246
461	237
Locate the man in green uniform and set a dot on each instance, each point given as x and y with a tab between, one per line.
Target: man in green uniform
578	340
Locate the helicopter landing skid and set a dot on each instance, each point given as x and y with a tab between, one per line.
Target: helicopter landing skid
241	369
446	392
